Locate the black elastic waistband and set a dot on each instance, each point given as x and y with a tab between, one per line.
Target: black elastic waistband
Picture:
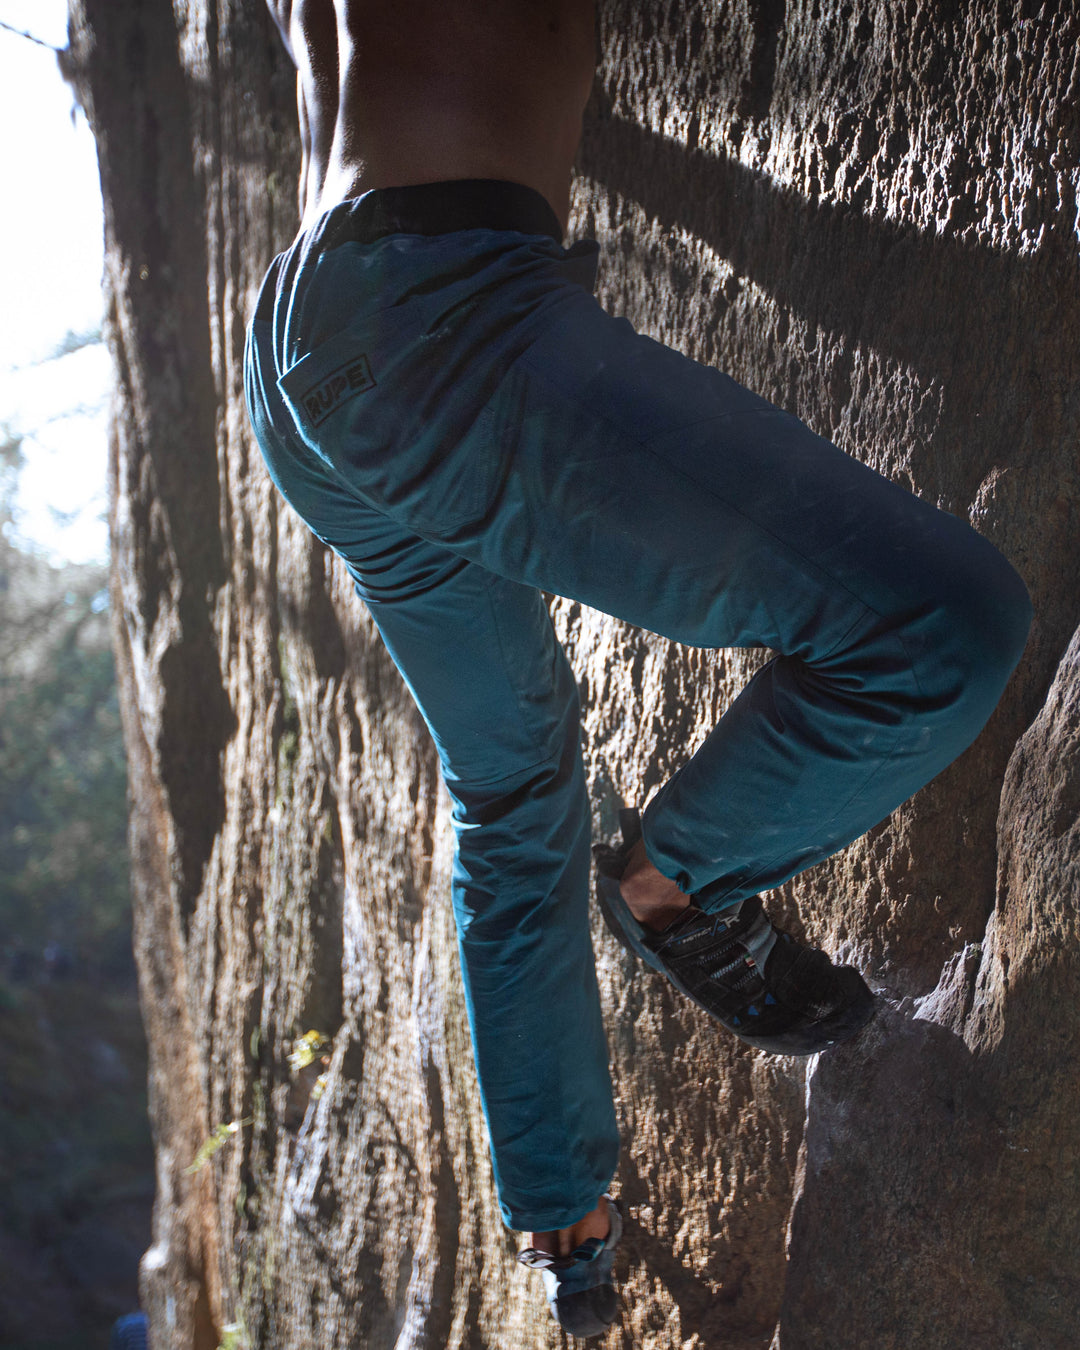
441	208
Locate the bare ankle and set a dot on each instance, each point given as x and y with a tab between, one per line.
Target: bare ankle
651	897
562	1241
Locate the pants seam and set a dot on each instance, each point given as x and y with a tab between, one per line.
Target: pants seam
646	447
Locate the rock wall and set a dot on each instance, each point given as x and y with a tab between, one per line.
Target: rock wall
866	210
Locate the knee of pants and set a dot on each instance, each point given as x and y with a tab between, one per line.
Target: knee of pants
982	627
522	845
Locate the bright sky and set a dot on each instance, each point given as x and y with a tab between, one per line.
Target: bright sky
50	285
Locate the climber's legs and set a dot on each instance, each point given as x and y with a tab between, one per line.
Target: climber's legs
551	448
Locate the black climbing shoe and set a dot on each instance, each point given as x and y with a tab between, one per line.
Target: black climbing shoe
579	1287
756	980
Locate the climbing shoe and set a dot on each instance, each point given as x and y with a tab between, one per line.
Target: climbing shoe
579	1287
758	981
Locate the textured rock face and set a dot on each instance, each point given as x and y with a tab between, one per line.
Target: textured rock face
866	211
955	1123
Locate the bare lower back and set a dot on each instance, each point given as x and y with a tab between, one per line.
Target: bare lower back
411	91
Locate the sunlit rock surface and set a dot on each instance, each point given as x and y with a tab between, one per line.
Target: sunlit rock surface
867	212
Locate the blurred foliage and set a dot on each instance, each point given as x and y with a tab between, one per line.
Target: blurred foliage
76	1166
63	847
215	1140
306	1049
75	342
76	1163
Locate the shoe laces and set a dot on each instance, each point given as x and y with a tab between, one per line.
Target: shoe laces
743	936
727	951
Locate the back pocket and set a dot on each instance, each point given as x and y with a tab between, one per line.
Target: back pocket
383	404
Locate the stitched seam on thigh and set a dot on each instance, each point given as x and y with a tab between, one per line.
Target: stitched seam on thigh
646	447
753	520
869	609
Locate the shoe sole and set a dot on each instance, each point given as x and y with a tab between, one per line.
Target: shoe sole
809	1039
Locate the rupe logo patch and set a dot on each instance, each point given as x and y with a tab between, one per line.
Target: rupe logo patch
328	395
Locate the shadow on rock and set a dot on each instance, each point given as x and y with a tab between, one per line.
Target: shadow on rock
900	1145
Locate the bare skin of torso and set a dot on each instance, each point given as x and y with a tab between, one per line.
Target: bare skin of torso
396	92
392	92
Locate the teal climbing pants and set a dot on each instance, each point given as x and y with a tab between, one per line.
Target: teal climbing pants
440	397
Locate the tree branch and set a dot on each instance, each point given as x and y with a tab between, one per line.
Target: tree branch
29	37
